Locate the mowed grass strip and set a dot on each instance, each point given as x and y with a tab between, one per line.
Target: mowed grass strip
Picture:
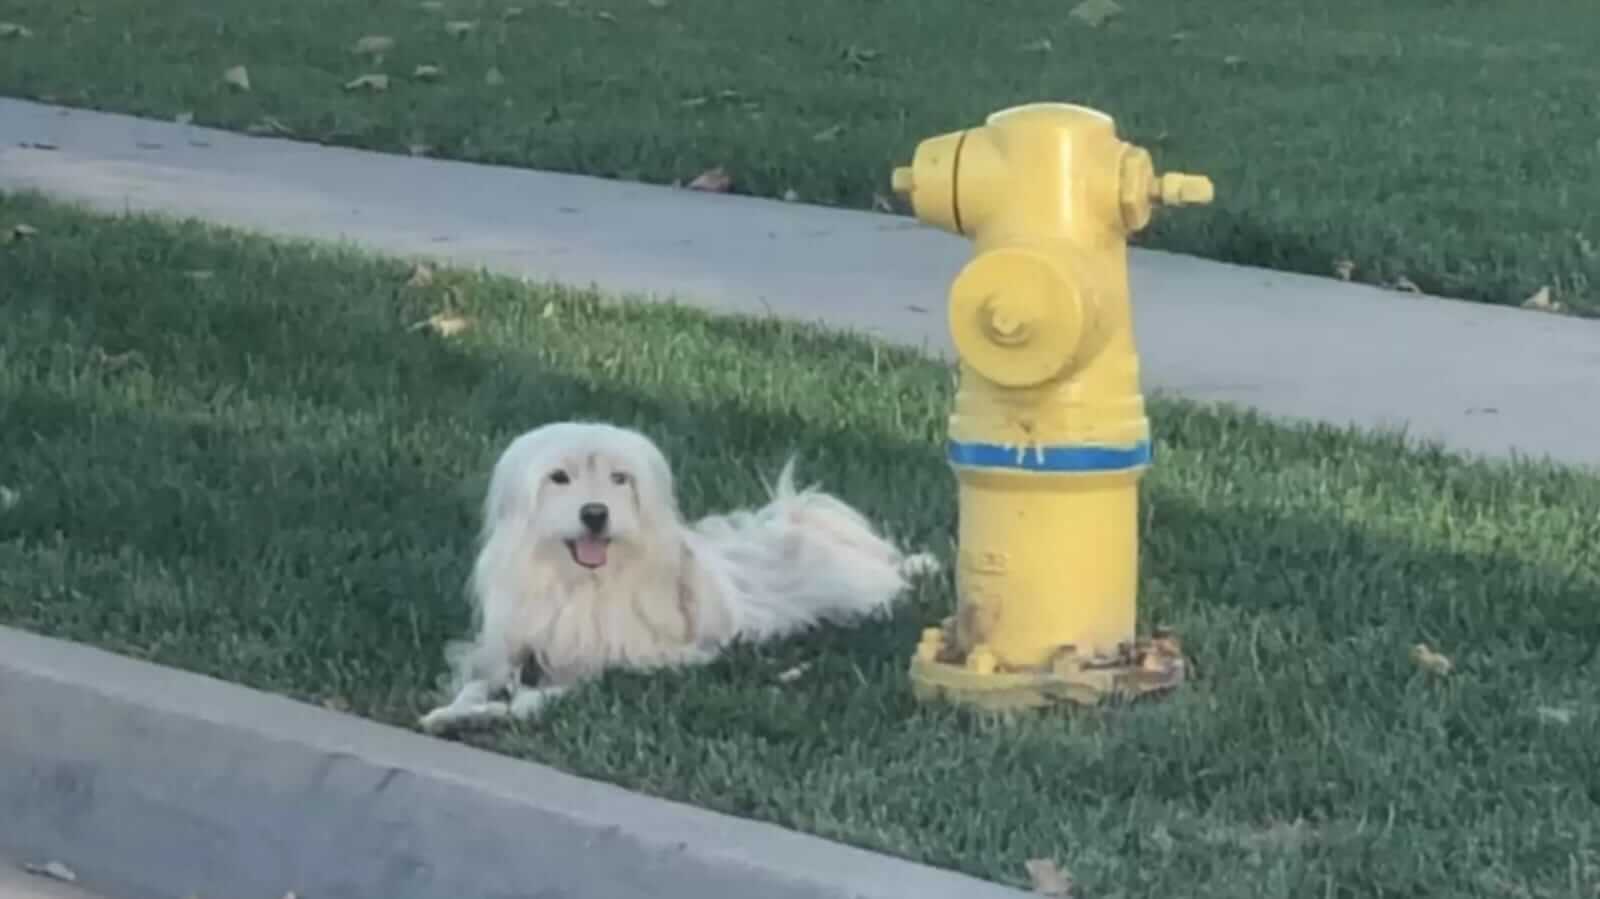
1449	145
243	458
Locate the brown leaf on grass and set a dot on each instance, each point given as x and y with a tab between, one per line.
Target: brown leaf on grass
828	134
1432	662
12	29
427	73
20	231
1554	714
715	180
1232	62
237	78
1542	301
1048	878
444	324
1406	285
494	77
115	361
335	704
53	870
790	196
10	498
267	125
421	275
376	84
460	27
1345	269
373	45
1095	13
604	16
1042	45
790	675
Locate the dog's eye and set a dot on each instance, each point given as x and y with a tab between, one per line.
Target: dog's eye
560	477
619	478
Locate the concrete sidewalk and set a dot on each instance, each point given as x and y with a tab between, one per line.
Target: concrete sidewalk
1480	379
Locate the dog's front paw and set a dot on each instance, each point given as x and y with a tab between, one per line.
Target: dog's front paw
457	717
531	702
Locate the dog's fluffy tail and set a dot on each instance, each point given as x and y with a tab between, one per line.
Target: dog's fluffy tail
803	558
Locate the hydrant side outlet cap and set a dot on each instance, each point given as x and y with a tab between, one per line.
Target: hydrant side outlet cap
1016	317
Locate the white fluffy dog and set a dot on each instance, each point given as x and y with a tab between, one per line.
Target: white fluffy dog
586	564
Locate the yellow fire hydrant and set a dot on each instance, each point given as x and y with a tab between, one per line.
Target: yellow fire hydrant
1048	437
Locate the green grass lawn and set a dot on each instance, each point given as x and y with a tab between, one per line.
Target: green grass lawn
1450	142
239	458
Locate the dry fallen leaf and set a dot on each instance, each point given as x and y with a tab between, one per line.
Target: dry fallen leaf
335	704
712	180
431	6
184	118
20	231
1095	13
427	73
53	870
444	324
12	29
460	27
494	77
1345	269
373	45
1232	62
881	203
1048	878
1406	285
1554	715
1542	300
1432	662
375	83
237	77
790	196
268	125
604	16
421	275
791	675
1042	45
830	133
9	498
512	12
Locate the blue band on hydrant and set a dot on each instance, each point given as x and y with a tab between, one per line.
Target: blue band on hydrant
1050	458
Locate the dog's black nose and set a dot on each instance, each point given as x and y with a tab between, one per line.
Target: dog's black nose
594	516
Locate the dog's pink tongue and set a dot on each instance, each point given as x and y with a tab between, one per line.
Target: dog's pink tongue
590	551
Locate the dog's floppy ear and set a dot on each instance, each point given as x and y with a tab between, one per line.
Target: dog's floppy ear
658	497
513	484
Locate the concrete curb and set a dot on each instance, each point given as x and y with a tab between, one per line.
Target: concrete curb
151	782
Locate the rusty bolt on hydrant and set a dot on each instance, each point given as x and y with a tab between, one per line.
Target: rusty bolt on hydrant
1048	436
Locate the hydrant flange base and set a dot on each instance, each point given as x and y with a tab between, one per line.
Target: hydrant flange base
1143	668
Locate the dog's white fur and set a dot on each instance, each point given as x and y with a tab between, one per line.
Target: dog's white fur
669	593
